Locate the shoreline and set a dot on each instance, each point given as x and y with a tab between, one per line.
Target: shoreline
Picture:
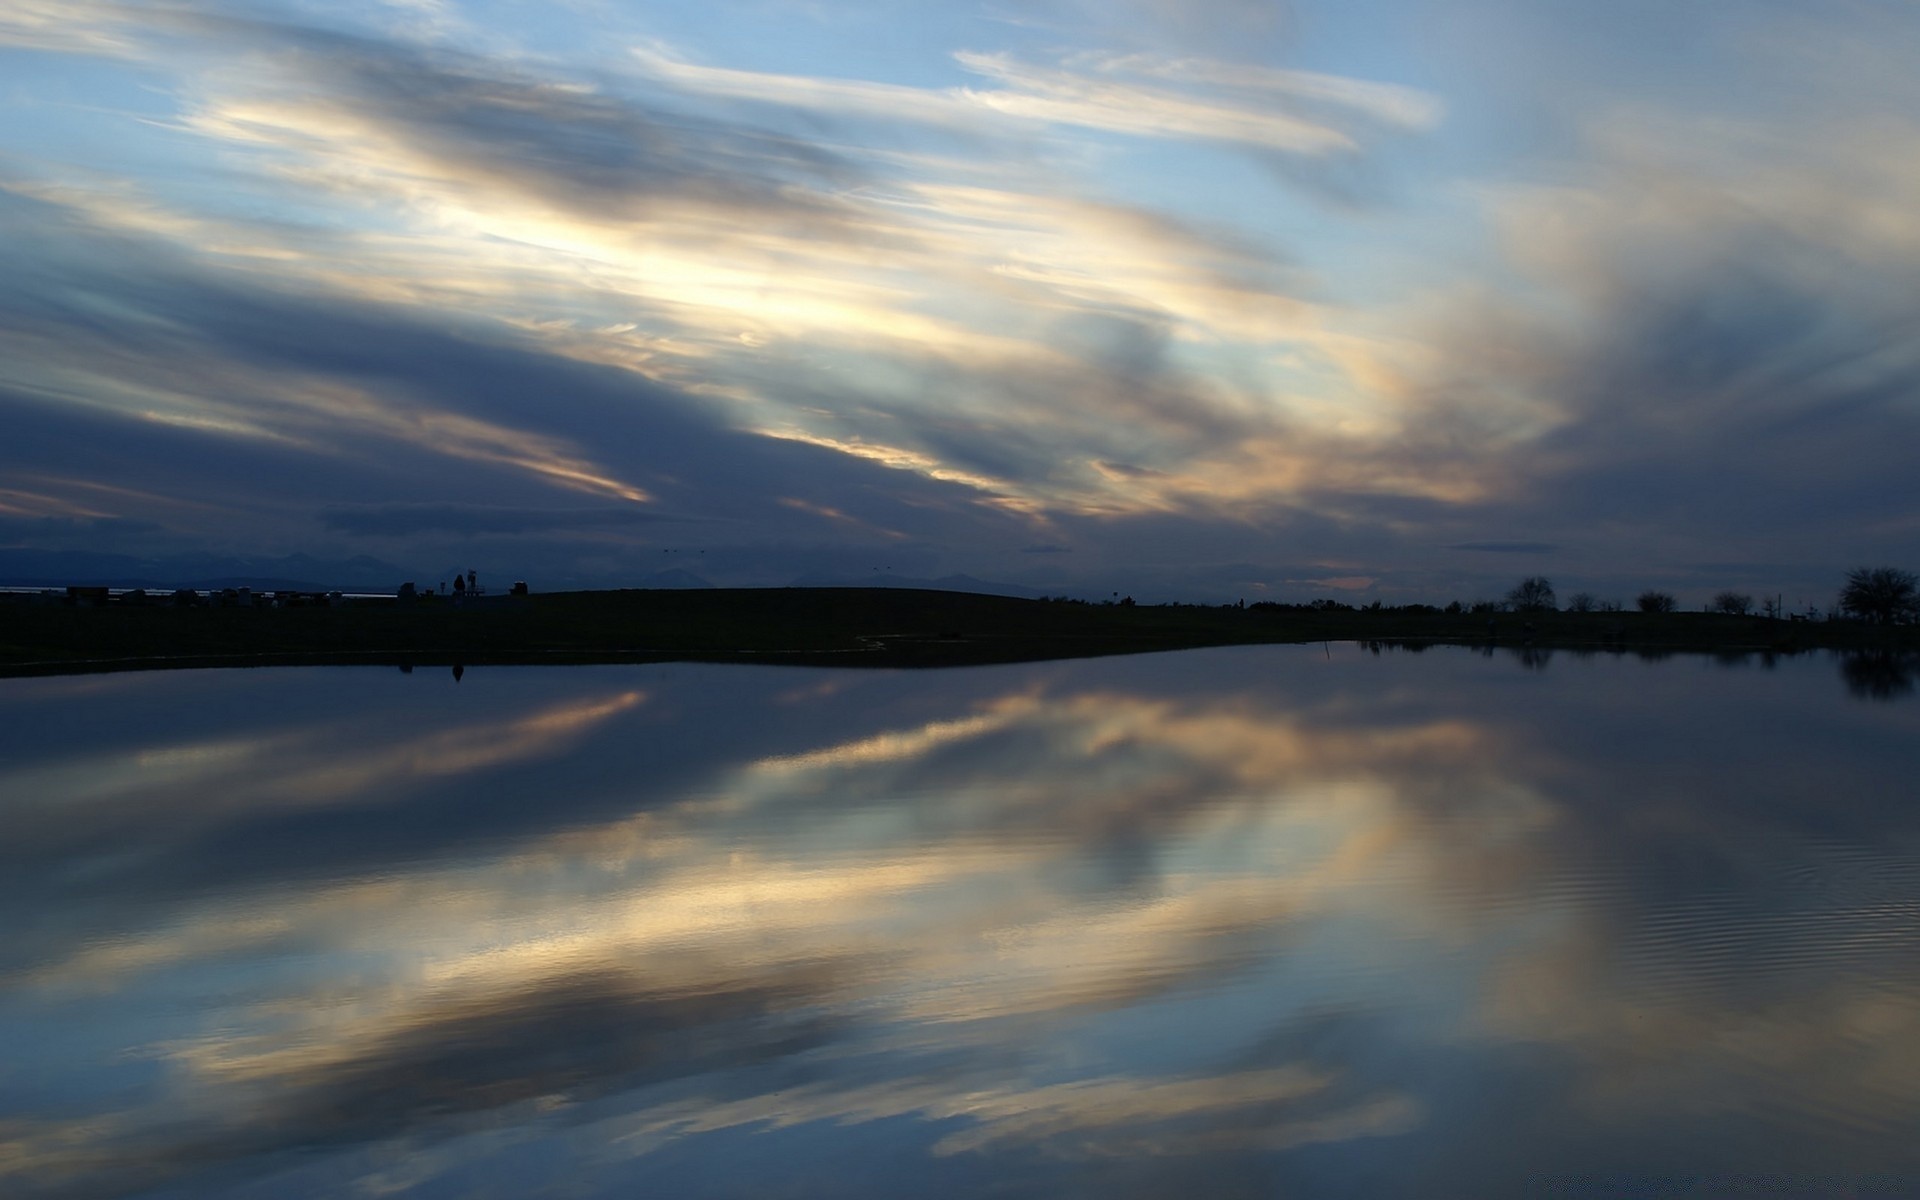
860	627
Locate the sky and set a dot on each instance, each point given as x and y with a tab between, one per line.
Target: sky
1207	300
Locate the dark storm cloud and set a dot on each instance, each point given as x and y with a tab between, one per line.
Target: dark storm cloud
1507	547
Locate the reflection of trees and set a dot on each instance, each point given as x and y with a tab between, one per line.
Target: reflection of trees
1533	658
1880	674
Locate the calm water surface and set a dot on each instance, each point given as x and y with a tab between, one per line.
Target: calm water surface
1281	921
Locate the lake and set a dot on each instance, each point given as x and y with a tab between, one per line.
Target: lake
1267	921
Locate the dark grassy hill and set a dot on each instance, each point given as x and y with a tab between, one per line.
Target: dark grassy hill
843	626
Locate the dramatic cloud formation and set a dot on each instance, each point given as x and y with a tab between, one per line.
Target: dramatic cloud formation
1227	299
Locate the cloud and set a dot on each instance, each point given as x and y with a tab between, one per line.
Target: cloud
1066	97
969	325
190	413
87	27
565	143
1118	271
1390	104
1000	338
91	532
814	294
1241	28
1506	547
1214	101
402	520
879	101
1727	365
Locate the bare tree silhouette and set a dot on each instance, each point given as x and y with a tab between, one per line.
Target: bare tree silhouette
1883	595
1734	604
1533	594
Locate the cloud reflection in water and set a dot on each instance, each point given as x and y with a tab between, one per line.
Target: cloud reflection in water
1241	920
